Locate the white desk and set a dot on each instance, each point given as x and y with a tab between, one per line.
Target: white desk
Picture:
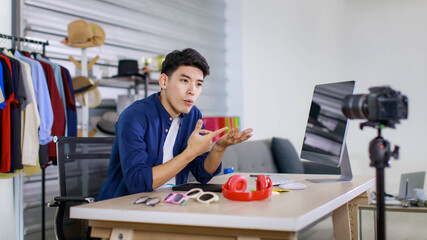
278	217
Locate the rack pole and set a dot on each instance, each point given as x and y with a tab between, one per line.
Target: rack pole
21	39
85	107
43	188
43	202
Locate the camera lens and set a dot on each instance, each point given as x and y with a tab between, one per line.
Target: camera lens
355	106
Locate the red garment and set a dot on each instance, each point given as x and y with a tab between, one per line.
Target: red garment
58	127
5	158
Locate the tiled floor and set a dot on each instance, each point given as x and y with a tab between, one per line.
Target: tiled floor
399	226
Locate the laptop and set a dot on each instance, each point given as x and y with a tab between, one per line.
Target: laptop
409	181
210	187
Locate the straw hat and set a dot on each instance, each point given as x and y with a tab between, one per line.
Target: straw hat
82	34
105	124
82	85
98	34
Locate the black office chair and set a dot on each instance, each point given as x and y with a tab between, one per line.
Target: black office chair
82	168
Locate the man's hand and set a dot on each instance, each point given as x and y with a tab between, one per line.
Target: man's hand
233	137
199	144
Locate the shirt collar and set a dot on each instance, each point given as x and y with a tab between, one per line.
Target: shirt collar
163	112
18	54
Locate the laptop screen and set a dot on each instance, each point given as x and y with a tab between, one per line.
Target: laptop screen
409	181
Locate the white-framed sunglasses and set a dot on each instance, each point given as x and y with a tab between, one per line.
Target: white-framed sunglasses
202	197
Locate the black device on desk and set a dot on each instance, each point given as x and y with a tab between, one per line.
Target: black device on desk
325	134
209	187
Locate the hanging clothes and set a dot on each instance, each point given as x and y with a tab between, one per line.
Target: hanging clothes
58	127
37	102
44	104
41	92
18	101
2	102
26	130
59	83
6	141
71	103
30	120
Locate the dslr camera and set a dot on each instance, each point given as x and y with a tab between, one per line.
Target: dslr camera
383	106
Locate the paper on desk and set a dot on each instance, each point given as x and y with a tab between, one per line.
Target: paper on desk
389	202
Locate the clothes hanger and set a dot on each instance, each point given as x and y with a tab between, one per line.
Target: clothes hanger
3	43
16	41
24	47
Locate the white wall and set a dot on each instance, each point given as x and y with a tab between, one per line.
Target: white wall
289	46
7	217
233	44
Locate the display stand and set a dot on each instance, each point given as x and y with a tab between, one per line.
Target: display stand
346	173
129	83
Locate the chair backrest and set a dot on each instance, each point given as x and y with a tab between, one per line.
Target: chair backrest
250	156
82	169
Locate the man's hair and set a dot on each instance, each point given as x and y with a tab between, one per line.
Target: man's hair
186	57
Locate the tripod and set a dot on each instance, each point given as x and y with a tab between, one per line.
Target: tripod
379	153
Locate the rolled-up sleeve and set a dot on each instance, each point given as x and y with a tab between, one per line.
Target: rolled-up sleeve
137	173
199	172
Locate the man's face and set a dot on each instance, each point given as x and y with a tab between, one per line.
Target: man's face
181	90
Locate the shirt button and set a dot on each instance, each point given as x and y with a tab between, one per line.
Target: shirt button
170	118
166	130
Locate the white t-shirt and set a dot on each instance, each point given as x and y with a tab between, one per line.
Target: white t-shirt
168	147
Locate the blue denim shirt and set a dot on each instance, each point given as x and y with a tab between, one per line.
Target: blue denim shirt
138	147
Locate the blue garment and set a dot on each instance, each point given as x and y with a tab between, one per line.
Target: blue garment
2	104
71	113
58	79
41	91
138	147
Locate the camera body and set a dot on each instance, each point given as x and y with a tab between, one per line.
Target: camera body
383	106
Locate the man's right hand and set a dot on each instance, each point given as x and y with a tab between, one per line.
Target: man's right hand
198	144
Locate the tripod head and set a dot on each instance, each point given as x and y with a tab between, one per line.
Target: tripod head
380	153
379	148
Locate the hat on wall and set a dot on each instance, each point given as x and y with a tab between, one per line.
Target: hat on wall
83	85
105	124
128	67
82	34
125	100
98	34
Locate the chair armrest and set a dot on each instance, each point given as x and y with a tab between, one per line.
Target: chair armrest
59	199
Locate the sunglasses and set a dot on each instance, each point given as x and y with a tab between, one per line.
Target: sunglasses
147	200
176	198
201	196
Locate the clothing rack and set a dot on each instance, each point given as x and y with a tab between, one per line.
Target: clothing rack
16	44
16	40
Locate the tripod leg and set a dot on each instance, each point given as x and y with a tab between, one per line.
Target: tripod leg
381	235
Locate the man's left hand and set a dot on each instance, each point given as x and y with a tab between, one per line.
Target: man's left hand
233	137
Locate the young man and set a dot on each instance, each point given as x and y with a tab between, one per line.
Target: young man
160	139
